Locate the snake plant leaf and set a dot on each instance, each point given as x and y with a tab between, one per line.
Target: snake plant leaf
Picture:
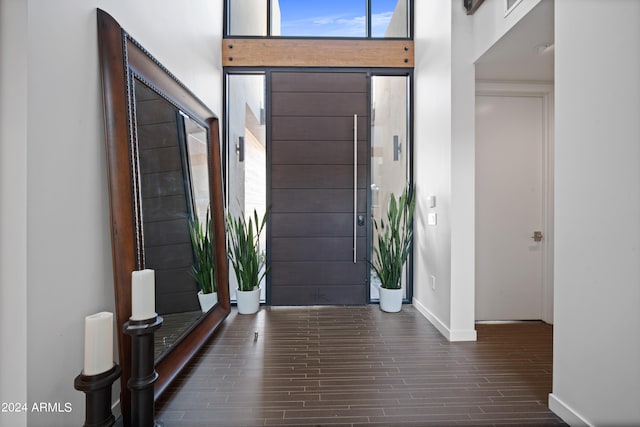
202	244
245	254
394	239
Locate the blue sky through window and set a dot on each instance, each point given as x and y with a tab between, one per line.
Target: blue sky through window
334	18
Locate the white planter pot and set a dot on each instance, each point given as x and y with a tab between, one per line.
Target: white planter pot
390	299
207	300
248	301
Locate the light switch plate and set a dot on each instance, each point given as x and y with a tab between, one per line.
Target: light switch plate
432	218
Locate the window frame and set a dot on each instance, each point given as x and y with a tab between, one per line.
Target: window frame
410	170
410	29
510	8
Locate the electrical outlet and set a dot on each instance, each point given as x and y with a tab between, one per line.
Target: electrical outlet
433	282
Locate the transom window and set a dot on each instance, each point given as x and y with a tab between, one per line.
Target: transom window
319	19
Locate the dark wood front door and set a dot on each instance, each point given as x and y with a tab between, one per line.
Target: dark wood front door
315	209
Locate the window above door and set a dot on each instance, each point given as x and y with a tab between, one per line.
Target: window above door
319	19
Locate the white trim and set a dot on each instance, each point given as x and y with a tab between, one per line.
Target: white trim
549	209
440	326
567	413
507	9
452	335
544	90
521	88
457	335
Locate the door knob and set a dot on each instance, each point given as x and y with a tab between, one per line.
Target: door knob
537	236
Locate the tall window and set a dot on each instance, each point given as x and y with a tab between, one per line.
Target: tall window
246	159
390	149
326	18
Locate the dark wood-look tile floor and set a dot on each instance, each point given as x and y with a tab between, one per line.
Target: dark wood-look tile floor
357	366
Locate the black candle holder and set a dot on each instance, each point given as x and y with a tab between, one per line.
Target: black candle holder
97	390
143	373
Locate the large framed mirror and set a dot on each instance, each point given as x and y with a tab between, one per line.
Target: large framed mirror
165	181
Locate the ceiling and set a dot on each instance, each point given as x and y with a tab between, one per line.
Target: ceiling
516	56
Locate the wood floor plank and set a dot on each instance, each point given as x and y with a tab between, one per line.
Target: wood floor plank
358	366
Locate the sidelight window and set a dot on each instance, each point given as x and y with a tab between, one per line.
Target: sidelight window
390	151
246	151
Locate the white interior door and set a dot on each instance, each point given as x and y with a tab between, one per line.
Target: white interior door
509	207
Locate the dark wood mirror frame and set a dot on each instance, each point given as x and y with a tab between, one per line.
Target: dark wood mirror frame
122	60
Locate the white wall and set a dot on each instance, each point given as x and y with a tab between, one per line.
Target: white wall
490	23
398	24
596	369
13	207
462	179
249	18
432	159
444	167
54	191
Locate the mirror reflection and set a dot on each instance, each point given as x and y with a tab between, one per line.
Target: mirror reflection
174	197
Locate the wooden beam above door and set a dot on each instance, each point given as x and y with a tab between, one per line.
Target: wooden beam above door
317	53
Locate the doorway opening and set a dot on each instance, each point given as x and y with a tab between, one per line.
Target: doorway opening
324	150
514	202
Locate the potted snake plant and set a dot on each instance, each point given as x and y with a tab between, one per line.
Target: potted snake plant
247	259
392	248
202	270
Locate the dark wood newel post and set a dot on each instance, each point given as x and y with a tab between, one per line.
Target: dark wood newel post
97	389
143	373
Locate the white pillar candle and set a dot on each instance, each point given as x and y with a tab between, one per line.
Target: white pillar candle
143	295
98	343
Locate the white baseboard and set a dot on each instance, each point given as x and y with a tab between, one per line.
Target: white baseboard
565	412
463	335
449	334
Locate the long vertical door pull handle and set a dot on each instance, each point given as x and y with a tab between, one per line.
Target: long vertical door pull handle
355	188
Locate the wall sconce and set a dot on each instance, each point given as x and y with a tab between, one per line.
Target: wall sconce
240	148
397	148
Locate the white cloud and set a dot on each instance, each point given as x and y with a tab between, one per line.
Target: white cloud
325	26
336	25
380	23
